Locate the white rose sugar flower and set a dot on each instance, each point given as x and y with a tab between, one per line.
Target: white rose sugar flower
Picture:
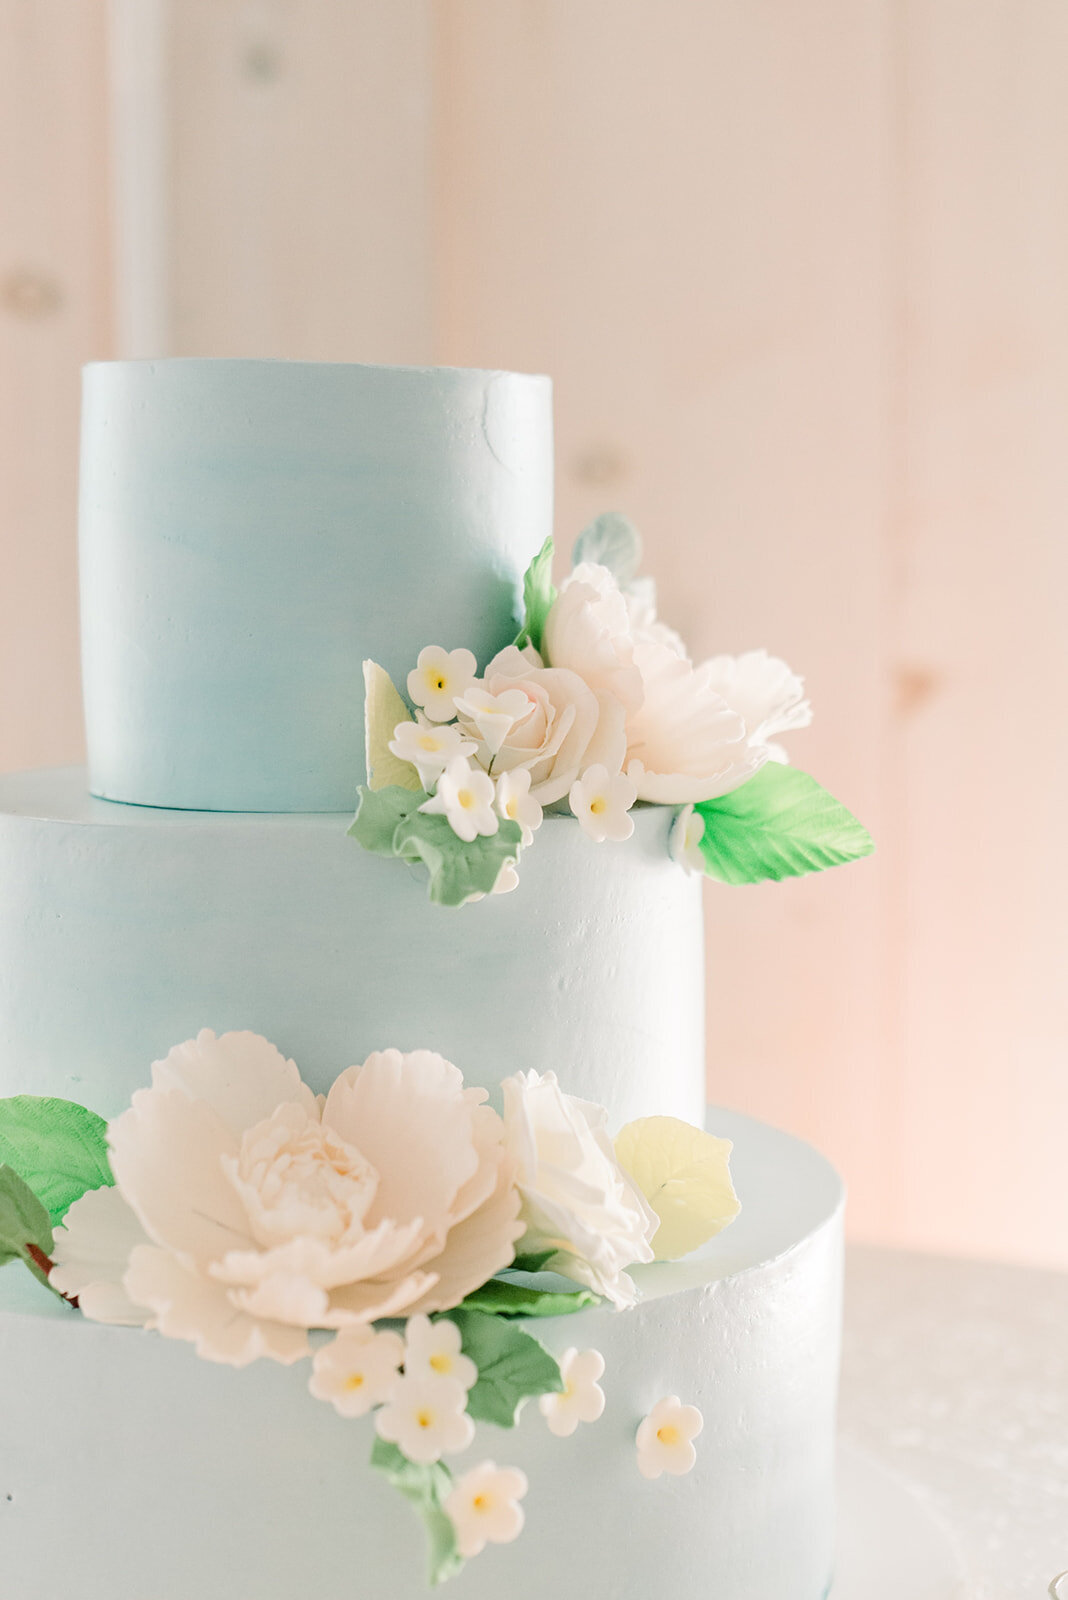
438	677
483	1506
429	747
582	1398
464	798
665	1438
426	1418
434	1349
357	1370
515	802
602	803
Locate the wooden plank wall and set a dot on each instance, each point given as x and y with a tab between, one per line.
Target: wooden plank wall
797	272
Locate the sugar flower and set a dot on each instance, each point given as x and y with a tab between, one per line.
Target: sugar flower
582	1398
426	1418
768	697
429	747
601	802
433	1349
465	798
684	742
685	1175
577	1199
588	630
247	1210
438	677
484	1508
515	802
665	1438
684	843
494	715
569	726
357	1370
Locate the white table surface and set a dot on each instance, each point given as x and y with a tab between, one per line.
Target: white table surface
955	1377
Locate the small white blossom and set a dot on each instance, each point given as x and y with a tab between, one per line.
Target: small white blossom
687	831
433	1349
582	1399
465	798
516	803
357	1370
602	802
495	715
665	1438
438	677
429	747
483	1506
427	1418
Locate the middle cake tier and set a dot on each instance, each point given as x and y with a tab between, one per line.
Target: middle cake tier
125	930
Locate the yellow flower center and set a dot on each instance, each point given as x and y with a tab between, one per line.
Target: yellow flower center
465	798
428	742
598	805
511	809
481	1502
441	1362
668	1434
354	1380
437	681
425	1419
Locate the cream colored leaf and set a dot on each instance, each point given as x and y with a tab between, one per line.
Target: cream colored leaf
684	1173
383	709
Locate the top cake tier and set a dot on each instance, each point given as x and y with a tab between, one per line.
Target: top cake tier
251	530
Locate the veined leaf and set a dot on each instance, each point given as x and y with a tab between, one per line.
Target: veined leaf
538	596
425	1488
511	1363
500	1297
24	1225
611	540
57	1147
383	709
781	824
684	1173
457	869
378	813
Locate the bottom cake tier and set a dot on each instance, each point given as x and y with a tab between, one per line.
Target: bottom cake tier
132	1470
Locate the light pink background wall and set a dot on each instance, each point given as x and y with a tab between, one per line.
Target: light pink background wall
798	272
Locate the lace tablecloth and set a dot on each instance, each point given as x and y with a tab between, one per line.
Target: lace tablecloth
955	1377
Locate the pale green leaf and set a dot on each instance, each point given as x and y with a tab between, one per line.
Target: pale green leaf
457	869
24	1223
425	1488
511	1364
500	1297
685	1175
780	824
538	596
57	1147
378	812
611	540
383	709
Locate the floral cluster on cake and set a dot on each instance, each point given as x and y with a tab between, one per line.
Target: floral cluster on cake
594	708
399	1231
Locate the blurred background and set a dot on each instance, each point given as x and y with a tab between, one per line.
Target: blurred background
799	270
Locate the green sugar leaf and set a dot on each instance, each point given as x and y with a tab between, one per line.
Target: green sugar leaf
377	814
532	1261
425	1488
24	1223
500	1297
59	1148
781	824
611	540
538	596
511	1364
457	869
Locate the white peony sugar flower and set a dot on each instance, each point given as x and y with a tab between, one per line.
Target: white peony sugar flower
601	801
434	1349
768	697
438	677
464	797
684	742
429	747
515	802
247	1210
483	1507
665	1438
357	1370
577	1199
426	1418
582	1398
588	630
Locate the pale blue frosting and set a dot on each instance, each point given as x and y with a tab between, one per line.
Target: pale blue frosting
224	1485
251	530
124	930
